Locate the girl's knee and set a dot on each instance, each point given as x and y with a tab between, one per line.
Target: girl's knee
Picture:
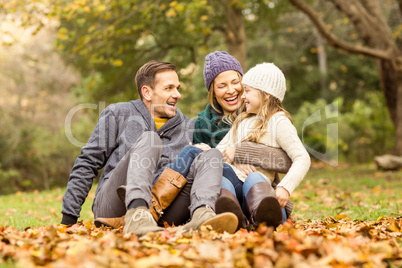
252	179
255	177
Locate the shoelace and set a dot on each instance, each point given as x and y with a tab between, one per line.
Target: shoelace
142	213
208	209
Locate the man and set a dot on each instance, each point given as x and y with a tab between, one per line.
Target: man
133	142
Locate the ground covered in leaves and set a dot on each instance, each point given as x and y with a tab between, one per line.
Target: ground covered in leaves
332	242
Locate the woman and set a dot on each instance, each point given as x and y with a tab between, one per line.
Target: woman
222	76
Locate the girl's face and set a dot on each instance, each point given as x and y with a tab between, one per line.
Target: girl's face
227	89
252	99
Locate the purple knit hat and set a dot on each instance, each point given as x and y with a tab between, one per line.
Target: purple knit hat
218	62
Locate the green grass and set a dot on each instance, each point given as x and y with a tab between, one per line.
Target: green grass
360	192
33	209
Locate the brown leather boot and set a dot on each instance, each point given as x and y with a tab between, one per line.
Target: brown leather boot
263	206
164	191
115	223
227	202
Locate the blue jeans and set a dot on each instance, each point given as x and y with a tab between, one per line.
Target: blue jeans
251	180
185	159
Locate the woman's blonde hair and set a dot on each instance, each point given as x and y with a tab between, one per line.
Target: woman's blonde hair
270	105
230	118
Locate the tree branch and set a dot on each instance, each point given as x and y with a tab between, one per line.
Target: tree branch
334	40
368	21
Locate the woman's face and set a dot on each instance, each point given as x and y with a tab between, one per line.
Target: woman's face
227	89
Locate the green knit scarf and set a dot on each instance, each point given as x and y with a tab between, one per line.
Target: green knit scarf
209	128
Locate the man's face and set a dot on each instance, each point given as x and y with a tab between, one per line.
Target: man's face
165	94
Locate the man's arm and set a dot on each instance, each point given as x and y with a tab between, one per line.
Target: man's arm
93	157
263	156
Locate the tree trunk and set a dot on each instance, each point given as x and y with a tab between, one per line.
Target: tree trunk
235	32
322	63
372	27
398	126
391	83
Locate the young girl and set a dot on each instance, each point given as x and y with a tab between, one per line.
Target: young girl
266	122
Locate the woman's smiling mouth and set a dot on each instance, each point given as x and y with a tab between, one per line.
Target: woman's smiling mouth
232	100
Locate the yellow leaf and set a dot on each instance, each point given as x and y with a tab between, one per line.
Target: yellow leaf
117	63
344	68
342	217
381	218
180	7
204	17
101	8
377	188
170	13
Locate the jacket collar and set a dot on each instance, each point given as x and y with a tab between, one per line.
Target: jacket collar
171	123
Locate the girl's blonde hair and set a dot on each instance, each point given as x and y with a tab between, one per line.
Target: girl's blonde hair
270	105
230	118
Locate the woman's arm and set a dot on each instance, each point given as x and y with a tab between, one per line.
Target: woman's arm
263	156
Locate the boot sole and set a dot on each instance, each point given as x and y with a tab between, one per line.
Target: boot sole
269	212
99	224
223	222
226	204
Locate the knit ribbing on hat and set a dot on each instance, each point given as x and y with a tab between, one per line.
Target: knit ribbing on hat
218	62
268	78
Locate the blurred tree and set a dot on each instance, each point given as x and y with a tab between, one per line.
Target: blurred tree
371	25
109	40
35	98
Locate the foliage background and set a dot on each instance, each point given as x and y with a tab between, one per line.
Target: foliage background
57	54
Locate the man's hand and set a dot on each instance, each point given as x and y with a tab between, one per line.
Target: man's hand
202	146
245	168
228	154
282	195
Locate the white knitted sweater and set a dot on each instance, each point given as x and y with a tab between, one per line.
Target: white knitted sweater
280	134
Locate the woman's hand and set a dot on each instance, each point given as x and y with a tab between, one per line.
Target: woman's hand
202	146
228	155
282	195
245	168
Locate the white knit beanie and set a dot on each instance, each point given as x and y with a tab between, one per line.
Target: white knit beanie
268	78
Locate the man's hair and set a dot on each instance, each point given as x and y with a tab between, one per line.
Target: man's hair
146	74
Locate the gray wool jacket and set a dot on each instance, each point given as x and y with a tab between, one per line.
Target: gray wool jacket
118	128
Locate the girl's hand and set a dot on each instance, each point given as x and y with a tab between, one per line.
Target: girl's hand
202	146
245	168
282	195
228	155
